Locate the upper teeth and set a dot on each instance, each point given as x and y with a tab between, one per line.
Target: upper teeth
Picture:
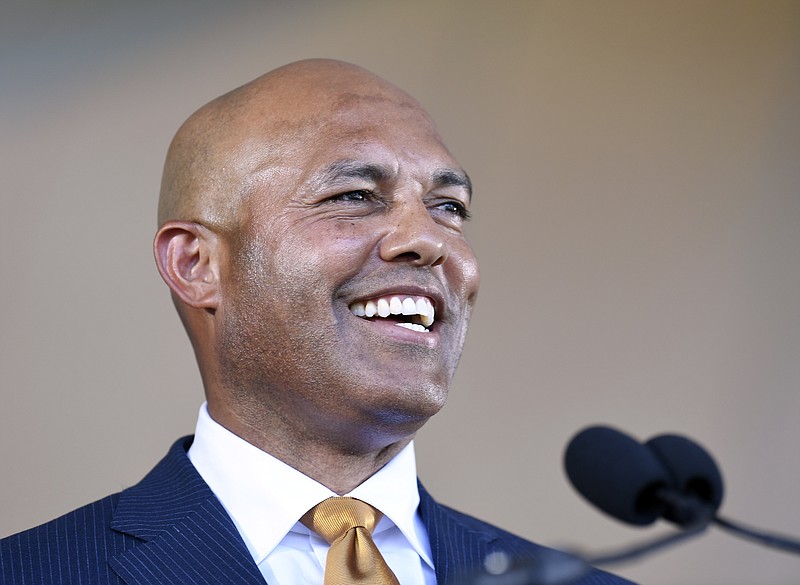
395	305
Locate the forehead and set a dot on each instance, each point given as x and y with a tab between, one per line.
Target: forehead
362	137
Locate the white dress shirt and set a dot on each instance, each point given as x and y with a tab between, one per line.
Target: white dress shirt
266	498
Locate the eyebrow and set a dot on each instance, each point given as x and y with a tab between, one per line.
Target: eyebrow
350	169
453	178
342	170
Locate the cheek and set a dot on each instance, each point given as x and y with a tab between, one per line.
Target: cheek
310	266
463	269
336	247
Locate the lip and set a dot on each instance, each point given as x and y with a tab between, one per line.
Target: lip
389	330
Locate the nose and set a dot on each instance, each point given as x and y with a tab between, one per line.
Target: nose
414	237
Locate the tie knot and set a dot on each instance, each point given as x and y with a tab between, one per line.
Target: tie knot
334	517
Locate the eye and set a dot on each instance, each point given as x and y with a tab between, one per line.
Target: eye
455	208
357	196
354	203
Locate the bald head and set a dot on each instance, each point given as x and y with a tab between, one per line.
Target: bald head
287	205
234	141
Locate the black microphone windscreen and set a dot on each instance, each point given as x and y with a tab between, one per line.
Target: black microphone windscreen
617	474
692	469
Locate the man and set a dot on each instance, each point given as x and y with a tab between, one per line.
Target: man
311	236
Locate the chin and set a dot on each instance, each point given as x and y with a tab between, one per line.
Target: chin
410	405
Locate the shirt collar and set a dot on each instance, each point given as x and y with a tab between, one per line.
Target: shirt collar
265	497
394	491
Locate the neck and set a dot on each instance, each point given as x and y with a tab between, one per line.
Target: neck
339	465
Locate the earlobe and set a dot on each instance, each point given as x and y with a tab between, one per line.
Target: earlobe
187	255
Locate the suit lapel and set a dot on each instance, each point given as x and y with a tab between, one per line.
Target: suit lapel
457	551
188	537
202	548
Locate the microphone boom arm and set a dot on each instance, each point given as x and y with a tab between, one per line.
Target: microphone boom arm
772	540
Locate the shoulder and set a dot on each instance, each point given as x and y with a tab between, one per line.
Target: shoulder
494	535
75	547
56	552
460	539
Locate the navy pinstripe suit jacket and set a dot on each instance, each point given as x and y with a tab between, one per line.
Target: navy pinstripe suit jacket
171	529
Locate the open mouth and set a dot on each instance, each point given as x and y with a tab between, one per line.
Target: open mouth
412	312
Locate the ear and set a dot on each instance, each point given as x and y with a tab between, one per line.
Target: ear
188	256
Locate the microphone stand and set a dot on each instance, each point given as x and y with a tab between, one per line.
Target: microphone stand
556	567
783	543
634	552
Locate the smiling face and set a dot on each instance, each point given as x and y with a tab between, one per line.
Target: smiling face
349	284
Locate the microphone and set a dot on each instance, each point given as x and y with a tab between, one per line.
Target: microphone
625	479
617	474
694	473
687	492
669	476
697	476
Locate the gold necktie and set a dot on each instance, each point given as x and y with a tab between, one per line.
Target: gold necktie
347	524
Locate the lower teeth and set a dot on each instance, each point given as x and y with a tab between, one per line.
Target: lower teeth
414	327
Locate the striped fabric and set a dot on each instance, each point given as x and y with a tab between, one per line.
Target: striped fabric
171	529
460	543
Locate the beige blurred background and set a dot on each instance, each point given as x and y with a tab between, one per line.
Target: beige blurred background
637	219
